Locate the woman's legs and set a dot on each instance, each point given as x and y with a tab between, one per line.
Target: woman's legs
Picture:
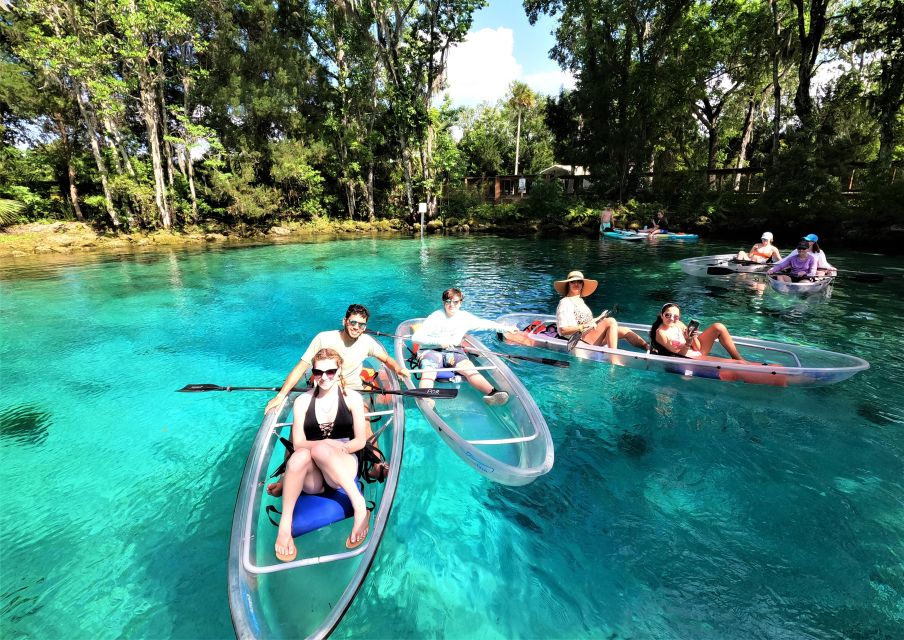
718	332
300	475
604	334
339	470
624	333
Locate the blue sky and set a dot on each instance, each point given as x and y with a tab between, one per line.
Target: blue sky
502	46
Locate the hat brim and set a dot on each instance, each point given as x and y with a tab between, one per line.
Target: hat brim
561	287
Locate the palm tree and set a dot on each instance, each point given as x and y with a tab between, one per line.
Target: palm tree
9	211
521	98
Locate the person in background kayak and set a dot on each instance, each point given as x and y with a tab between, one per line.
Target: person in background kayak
823	268
439	338
328	428
763	251
351	343
799	265
573	315
670	337
658	223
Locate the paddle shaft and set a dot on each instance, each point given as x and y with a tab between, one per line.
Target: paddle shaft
414	393
577	337
511	356
857	276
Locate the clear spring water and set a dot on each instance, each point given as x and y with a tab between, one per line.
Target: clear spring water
676	508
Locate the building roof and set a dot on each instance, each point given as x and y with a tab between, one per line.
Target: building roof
564	170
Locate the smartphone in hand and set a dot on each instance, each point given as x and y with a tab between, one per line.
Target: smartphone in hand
692	327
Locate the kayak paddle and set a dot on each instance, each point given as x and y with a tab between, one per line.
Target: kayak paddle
553	362
577	336
413	393
857	276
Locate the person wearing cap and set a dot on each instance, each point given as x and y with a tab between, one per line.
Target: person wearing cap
762	252
823	267
439	338
798	265
574	316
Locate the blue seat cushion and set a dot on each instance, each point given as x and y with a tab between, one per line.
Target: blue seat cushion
313	512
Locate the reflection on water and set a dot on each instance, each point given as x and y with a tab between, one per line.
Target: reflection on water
677	508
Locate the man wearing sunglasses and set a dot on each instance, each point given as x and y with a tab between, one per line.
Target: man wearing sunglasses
440	338
351	343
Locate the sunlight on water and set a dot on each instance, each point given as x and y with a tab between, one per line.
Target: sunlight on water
677	508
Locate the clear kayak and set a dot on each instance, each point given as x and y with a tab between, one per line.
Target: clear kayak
624	234
720	265
305	598
803	288
768	362
509	444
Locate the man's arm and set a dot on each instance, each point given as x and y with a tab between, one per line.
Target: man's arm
295	375
377	351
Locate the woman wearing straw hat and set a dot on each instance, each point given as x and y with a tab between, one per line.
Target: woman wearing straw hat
574	316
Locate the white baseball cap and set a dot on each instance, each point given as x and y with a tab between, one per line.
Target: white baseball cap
767	235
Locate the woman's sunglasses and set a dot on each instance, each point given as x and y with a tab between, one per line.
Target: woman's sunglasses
672	316
329	373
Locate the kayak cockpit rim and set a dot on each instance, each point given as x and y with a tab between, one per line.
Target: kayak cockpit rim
248	539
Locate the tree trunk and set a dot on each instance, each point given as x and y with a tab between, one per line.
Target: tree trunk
371	210
70	168
164	122
776	81
91	125
745	140
118	147
148	108
518	142
809	51
187	138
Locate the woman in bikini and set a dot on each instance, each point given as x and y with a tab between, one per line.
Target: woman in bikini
327	429
670	337
762	252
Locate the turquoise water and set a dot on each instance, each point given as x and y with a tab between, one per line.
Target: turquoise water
676	508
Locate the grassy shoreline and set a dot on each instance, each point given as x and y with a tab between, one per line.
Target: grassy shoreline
68	237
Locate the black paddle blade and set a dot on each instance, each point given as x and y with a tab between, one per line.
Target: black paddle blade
189	388
573	341
719	271
550	361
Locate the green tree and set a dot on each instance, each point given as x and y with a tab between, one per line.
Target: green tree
521	98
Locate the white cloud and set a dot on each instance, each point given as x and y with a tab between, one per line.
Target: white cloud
482	67
549	83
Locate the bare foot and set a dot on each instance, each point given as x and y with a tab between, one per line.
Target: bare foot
285	547
275	488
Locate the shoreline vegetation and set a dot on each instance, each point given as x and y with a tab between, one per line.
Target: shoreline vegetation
166	122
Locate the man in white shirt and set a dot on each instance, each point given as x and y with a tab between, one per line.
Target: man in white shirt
440	338
351	343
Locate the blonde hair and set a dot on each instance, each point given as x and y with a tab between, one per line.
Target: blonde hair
331	354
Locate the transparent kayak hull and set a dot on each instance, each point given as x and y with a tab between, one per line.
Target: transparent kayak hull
787	364
804	288
305	598
719	265
509	444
